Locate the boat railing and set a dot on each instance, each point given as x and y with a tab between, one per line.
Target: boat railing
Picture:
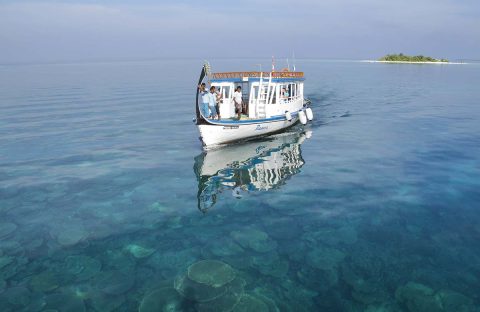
256	74
290	98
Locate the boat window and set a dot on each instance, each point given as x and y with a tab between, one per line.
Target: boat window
264	93
283	91
273	96
254	92
225	91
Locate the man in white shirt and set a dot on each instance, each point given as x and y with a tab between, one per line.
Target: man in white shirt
212	102
237	100
205	99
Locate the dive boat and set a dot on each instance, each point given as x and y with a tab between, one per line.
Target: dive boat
273	101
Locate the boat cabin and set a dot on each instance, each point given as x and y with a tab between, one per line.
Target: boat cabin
266	94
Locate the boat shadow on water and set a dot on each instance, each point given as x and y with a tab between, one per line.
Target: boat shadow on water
258	165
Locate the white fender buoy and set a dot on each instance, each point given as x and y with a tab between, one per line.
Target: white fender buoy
288	116
308	134
309	113
302	117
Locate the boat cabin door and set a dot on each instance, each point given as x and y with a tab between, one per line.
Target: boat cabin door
245	90
227	108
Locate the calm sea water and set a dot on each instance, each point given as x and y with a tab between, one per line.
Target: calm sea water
108	203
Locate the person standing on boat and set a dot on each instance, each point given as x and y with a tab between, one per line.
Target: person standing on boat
212	102
205	100
219	101
237	100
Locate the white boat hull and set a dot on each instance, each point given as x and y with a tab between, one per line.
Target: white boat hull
222	133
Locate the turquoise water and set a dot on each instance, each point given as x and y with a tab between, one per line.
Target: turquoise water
108	203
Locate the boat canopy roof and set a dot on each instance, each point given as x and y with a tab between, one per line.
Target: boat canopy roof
282	76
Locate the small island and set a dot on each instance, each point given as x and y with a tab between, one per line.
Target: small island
401	58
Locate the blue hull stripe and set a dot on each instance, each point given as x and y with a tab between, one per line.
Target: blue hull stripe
247	122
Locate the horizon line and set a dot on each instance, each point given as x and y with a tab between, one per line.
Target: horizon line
146	59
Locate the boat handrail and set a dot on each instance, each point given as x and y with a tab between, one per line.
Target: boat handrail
257	74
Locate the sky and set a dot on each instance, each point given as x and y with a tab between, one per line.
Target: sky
79	30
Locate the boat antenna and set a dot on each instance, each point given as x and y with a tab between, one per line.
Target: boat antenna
294	60
288	65
273	63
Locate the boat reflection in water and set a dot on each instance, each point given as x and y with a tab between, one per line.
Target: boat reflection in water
252	166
